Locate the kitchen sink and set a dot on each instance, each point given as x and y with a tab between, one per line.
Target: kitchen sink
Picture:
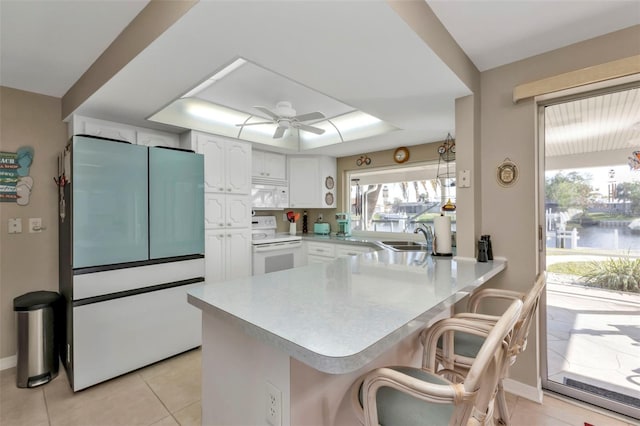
405	245
416	247
401	243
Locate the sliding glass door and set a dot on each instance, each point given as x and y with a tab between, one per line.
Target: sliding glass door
590	246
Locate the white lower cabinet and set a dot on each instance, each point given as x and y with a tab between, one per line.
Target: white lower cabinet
321	252
343	250
227	254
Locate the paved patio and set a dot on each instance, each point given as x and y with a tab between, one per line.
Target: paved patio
594	339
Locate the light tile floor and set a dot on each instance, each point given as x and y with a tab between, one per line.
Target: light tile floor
168	394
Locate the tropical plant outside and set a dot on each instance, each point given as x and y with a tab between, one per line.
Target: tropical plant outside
620	274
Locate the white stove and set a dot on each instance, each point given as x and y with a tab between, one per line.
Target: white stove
263	231
272	251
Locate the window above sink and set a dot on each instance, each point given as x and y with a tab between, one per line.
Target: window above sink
397	200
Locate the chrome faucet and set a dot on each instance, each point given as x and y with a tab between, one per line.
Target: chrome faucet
426	231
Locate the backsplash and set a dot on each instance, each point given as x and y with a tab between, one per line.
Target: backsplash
328	215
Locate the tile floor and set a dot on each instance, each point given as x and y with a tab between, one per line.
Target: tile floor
168	393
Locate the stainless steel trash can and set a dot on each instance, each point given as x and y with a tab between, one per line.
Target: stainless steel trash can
36	316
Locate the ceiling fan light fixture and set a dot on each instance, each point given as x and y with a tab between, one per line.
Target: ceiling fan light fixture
284	123
284	109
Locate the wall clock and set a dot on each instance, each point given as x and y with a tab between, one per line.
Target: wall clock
401	155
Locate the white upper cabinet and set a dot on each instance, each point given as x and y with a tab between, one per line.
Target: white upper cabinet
122	132
312	181
155	138
268	166
102	129
238	166
227	163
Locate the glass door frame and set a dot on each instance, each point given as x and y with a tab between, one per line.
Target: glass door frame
541	103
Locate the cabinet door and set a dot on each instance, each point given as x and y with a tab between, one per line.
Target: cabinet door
311	259
214	162
275	166
238	211
214	211
152	138
110	202
176	203
304	189
238	253
238	168
104	129
214	256
350	250
257	164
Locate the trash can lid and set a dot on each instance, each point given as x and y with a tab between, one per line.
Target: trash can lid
35	300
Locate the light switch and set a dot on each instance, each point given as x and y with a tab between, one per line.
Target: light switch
464	179
15	225
35	224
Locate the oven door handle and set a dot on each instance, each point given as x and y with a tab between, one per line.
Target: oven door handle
277	246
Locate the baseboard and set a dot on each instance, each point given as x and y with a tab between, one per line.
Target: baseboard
531	393
8	362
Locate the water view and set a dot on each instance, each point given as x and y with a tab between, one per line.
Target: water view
597	237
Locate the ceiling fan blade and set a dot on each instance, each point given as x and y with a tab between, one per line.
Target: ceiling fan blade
307	128
253	124
267	111
279	132
317	115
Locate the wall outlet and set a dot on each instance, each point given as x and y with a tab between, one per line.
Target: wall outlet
273	405
320	217
15	225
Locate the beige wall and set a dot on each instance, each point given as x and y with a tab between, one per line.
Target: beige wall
29	262
418	154
508	130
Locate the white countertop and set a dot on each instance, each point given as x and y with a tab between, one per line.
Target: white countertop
338	317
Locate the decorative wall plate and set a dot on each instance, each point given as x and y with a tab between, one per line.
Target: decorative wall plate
507	173
328	198
329	183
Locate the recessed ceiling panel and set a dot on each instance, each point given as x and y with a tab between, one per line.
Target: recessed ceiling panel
252	85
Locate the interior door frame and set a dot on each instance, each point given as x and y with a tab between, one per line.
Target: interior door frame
541	102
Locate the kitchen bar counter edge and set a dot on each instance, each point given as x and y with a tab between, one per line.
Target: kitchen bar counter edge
386	296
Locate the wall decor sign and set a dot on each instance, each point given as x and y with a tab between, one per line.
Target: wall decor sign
15	182
507	173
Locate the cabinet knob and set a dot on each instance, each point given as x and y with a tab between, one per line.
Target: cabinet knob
229	224
221	189
229	189
221	224
229	235
268	174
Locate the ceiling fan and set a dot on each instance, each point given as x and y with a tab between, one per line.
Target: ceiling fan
284	116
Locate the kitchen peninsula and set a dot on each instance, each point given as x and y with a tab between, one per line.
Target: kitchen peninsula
304	335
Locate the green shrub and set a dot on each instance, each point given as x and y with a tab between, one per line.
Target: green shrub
621	274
